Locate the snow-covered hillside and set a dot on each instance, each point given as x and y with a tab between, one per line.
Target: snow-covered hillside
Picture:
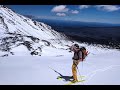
19	34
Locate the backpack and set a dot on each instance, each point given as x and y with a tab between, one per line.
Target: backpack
84	52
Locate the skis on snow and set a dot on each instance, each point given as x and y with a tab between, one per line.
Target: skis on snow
70	81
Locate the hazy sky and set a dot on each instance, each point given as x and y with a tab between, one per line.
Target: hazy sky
89	13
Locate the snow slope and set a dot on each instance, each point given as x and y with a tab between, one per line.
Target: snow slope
101	67
17	31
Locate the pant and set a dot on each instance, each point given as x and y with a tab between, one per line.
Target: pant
74	70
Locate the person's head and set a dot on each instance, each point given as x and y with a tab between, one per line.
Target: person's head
76	47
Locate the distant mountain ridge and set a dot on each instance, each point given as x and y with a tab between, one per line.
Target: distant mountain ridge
98	33
72	22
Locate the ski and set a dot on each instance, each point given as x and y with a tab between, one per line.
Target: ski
70	77
71	83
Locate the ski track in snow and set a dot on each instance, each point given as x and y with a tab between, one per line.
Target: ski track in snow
90	75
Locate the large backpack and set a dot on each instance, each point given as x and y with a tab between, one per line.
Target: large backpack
84	52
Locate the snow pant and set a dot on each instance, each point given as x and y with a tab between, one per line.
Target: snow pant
74	70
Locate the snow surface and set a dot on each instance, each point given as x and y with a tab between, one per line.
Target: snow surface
101	67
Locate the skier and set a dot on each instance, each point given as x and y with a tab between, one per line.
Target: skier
79	55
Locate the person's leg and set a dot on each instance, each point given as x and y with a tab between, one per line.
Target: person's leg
74	70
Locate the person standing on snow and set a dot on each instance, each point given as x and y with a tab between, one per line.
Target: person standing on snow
79	55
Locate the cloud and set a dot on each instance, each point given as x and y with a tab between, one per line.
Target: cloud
61	14
84	6
60	8
74	11
108	8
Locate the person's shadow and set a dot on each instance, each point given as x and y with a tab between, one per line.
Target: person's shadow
66	78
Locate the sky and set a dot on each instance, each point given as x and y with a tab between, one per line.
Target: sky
86	13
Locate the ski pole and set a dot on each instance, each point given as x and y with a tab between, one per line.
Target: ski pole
79	74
